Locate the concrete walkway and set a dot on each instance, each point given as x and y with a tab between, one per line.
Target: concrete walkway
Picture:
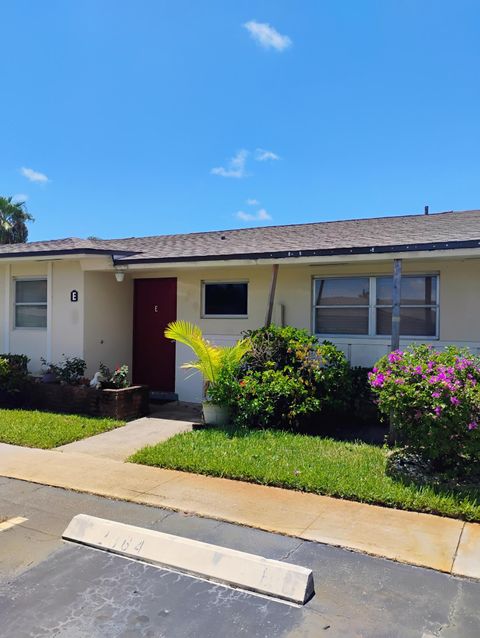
120	443
444	544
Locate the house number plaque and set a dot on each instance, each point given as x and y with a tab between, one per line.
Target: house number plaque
74	296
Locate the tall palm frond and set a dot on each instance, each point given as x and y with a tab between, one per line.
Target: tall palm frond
234	354
208	356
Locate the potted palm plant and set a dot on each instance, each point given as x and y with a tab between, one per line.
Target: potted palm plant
213	362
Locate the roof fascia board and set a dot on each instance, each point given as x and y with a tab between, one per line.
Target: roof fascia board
297	254
335	259
48	255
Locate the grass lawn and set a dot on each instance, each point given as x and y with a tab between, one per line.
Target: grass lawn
354	471
48	429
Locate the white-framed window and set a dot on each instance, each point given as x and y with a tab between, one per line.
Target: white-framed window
227	299
362	306
30	305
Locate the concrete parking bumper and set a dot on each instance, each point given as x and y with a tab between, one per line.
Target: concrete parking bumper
220	564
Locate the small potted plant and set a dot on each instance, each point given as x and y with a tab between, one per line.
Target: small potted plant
215	363
114	380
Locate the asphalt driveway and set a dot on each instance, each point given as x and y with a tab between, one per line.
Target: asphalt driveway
52	588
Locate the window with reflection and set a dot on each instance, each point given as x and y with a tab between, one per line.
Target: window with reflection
418	305
363	305
341	305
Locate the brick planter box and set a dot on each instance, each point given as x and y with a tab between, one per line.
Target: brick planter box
125	404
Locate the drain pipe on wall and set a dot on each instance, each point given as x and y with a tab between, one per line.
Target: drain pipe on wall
395	343
397	282
271	298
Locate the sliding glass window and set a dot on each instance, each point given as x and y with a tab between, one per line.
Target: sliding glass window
363	306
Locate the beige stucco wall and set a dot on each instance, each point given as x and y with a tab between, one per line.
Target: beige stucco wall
67	316
108	320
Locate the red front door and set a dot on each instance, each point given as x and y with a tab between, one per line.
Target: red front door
154	306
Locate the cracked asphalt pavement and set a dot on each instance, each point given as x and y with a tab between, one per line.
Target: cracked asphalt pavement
51	588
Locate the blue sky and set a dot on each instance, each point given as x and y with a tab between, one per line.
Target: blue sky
153	117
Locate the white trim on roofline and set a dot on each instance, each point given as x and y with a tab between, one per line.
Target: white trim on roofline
463	253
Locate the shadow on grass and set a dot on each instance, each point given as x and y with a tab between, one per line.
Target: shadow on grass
373	434
411	470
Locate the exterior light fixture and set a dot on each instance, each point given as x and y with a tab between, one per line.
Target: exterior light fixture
119	276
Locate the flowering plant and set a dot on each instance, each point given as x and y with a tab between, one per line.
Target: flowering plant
119	377
115	379
433	398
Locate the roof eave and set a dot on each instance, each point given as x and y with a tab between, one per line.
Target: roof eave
66	252
289	254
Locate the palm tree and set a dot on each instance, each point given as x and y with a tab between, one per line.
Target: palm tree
13	218
210	359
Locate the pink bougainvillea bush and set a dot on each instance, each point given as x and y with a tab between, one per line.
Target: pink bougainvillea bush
434	400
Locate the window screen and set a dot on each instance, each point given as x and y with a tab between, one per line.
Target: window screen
341	306
418	305
31	303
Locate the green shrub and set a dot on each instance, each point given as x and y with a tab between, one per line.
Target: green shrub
275	398
434	400
69	371
225	390
361	403
18	362
287	377
13	373
276	347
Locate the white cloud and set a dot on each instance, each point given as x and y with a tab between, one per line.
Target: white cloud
261	155
267	36
235	168
263	215
34	176
260	216
20	197
253	202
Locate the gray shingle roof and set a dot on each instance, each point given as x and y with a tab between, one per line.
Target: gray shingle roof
384	234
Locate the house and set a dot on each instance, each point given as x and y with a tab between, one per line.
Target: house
109	300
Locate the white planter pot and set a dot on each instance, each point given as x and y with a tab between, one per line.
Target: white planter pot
215	414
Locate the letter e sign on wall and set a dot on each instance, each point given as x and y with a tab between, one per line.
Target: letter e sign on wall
74	295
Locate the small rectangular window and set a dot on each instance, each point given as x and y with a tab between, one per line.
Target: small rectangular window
225	299
31	303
